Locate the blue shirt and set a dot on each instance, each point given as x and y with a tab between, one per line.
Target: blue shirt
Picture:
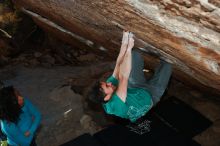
29	121
138	103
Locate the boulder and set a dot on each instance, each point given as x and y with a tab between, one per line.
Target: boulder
185	33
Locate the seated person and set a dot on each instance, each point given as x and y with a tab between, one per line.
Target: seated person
126	93
19	118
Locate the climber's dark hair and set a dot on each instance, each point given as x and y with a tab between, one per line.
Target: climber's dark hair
10	109
96	94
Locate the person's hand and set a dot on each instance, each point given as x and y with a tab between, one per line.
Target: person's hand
27	133
107	97
130	41
124	41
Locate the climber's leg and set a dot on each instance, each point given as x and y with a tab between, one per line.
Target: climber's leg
158	83
136	78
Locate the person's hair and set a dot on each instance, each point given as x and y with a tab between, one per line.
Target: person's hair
10	109
96	95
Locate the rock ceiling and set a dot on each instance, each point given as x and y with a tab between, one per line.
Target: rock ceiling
183	32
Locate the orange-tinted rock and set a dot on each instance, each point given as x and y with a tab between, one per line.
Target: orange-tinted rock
185	33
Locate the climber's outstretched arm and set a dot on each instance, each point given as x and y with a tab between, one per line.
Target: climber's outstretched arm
121	55
124	70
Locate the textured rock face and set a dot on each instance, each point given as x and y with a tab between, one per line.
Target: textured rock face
184	32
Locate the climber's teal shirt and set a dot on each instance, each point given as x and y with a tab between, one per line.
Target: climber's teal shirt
137	104
29	120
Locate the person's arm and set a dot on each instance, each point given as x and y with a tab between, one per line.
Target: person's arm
121	55
36	116
17	136
124	72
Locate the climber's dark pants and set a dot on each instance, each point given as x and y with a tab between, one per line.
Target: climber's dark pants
157	84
